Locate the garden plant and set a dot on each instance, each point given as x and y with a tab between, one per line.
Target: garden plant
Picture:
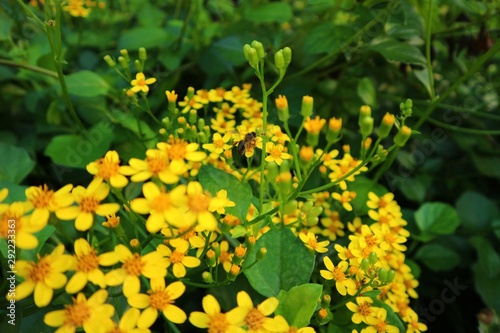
249	166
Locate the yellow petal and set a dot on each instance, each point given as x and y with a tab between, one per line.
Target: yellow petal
191	262
84	221
175	289
150	191
129	319
268	306
43	294
55	280
107	209
147	318
115	277
175	314
131	285
118	181
140	205
55	318
68	213
244	300
199	319
98	298
23	290
210	305
179	270
76	283
139	301
155	223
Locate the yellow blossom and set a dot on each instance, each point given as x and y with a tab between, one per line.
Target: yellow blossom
311	242
220	202
128	323
219	143
199	203
141	83
156	164
108	168
256	318
315	125
345	198
344	284
46	201
18	229
215	320
178	257
276	153
363	311
380	324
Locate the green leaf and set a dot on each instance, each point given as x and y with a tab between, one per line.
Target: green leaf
214	180
16	192
438	257
77	151
86	83
476	211
496	227
16	163
42	236
221	56
150	37
423	76
6	24
486	165
401	31
393	50
140	128
366	91
437	218
324	37
288	263
271	12
488	288
488	258
298	305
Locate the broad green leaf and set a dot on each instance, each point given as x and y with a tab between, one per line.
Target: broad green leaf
437	218
298	305
400	31
79	150
288	263
150	16
324	37
16	192
221	56
16	163
394	50
214	180
43	235
150	37
366	91
487	165
270	12
423	76
476	211
438	257
362	186
86	83
488	288
488	258
140	128
413	188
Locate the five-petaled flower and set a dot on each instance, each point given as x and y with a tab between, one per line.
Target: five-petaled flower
141	83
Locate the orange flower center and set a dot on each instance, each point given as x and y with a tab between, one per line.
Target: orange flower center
365	309
218	323
199	202
371	241
159	299
219	143
381	327
224	256
338	274
87	262
76	314
161	202
275	152
187	233
177	257
177	149
39	270
89	204
107	168
254	319
4	223
382	203
42	197
134	265
157	163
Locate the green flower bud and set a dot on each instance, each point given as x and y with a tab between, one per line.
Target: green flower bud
234	271
285	166
287	54
390	276
211	258
193	116
259	48
167	123
409	104
312	139
142	54
202	138
324	316
111	63
261	254
201	123
216	248
385	125
246	52
402	136
190	93
206	130
138	65
250	243
364	112
279	61
382	275
272	171
373	258
325	301
365	264
282	106
123	63
125	55
207	277
366	126
306	109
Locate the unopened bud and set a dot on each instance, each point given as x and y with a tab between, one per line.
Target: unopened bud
261	254
233	272
366	126
385	125
142	54
279	61
250	242
307	106
390	276
193	116
259	48
382	275
287	54
402	136
109	61
373	258
282	106
272	171
365	264
210	258
207	277
123	63
325	301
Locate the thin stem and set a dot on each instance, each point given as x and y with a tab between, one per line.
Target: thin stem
428	50
265	96
29	67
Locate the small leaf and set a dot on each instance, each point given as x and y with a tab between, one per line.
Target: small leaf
86	83
214	180
437	218
487	165
476	211
288	263
270	12
393	50
42	236
438	257
488	288
423	76
297	306
366	91
16	163
488	258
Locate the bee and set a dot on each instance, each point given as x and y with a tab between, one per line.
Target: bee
248	143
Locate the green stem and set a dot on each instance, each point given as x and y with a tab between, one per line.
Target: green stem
265	96
477	65
29	67
428	51
293	147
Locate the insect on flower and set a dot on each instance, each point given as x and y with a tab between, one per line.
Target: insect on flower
248	143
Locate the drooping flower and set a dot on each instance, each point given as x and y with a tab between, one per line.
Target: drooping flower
43	276
108	168
141	83
159	298
86	268
215	320
151	265
93	314
344	284
89	203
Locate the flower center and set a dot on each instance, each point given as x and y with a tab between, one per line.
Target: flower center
89	204
41	197
276	152
218	323
370	241
381	327
224	257
199	202
338	274
107	168
159	299
161	202
176	257
157	163
219	143
177	149
134	265
87	262
4	224
76	314
365	309
254	319
39	270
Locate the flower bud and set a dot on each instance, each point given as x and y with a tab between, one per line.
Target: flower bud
125	55
366	126
306	155
190	93
201	123
210	258
111	63
123	63
253	58
250	242
402	136
365	264
135	244
142	54
284	181
324	316
287	54
334	127
239	254
138	65
207	277
279	61
373	258
233	272
382	275
385	125
259	48
282	106
216	248
307	106
261	254
325	301
390	276
272	171
193	116
167	123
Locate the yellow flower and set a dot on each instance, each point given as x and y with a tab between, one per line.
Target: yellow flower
179	150
46	201
221	124
159	298
225	257
87	268
389	239
256	318
151	265
343	284
215	320
141	83
93	315
89	203
128	323
311	242
163	207
315	125
413	325
171	96
345	198
44	276
108	168
363	310
380	324
220	202
178	257
156	164
276	153
333	227
76	8
199	203
282	326
219	143
18	229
